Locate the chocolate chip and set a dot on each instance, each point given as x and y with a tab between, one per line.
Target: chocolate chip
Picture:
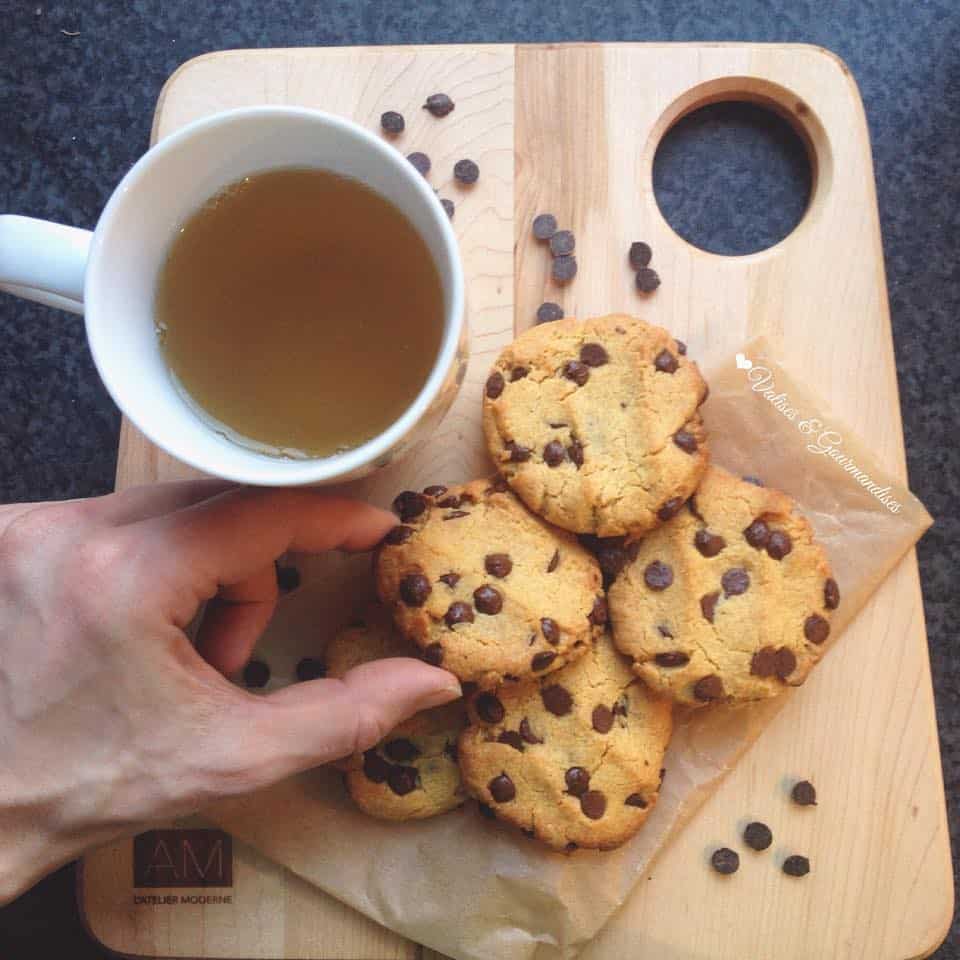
779	545
396	536
466	171
663	773
414	589
402	780
554	454
796	866
681	348
409	504
593	804
725	861
687	442
735	581
577	780
518	373
666	362
527	734
709	544
448	207
548	312
439	104
831	594
544	226
564	268
692	507
593	355
554	561
757	534
757	836
708	688
576	371
785	662
401	750
256	674
489	708
621	707
664	631
816	629
495	385
433	654
764	662
550	630
647	280
375	768
498	485
640	254
288	578
488	600
575	452
498	564
658	576
571	846
458	612
392	122
450	750
542	660
437	490
756	481
671	508
502	789
455	515
310	668
804	794
557	700
512	738
611	556
672	658
599	614
420	161
469	687
485	811
562	243
450	579
708	605
601	718
636	800
518	454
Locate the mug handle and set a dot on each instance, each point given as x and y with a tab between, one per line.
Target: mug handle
43	261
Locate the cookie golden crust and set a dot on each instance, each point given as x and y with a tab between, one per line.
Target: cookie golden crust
729	601
595	424
575	757
485	588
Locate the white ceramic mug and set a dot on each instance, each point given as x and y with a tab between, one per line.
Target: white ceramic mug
110	276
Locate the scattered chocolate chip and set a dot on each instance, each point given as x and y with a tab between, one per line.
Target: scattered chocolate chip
498	485
571	846
647	280
544	226
658	576
593	355
528	735
548	312
488	600
756	481
557	700
409	504
256	674
518	454
785	662
671	508
392	122
709	544
495	385
804	793
401	750
831	594
518	373
554	561
725	861
672	658
779	545
502	789
664	631
448	207
310	668
455	515
681	348
757	534
489	708
402	780
599	615
414	589
816	629
687	442
562	243
764	662
622	707
576	371
288	578
666	362
512	738
458	612
575	453
450	579
433	654
757	836
611	556
640	254
796	866
396	536
692	507
554	454
593	804
375	768
708	605
437	490
542	660
452	501
550	630
735	581
486	811
450	750
466	171
497	564
420	161
601	718
636	800
708	688
577	780
564	268
439	104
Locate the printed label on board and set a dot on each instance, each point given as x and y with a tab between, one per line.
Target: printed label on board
183	858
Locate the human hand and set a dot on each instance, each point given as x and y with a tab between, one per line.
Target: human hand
110	717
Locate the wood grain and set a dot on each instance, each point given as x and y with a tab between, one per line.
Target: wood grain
584	122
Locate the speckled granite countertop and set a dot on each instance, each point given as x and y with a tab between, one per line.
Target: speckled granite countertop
78	83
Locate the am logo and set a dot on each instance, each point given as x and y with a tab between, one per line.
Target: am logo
183	858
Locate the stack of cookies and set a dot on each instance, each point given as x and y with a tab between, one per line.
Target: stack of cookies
606	573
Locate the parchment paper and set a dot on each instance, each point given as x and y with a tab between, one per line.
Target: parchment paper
471	888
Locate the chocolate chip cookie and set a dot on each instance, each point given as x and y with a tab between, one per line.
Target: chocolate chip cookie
729	601
485	588
595	424
575	757
412	773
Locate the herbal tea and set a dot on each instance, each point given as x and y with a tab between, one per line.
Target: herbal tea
300	310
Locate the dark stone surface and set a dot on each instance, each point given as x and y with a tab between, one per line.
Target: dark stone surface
75	112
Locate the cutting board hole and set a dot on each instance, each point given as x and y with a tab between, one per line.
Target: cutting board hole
732	178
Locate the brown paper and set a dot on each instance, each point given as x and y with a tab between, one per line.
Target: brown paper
470	888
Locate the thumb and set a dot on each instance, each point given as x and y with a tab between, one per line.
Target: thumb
311	723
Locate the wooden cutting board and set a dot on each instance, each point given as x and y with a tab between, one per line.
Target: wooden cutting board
573	129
